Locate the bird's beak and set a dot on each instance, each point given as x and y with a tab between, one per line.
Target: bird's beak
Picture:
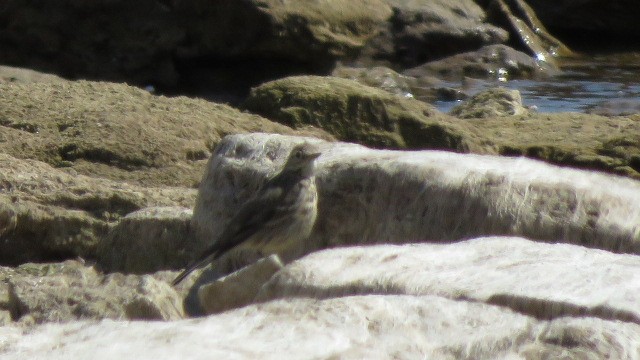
315	154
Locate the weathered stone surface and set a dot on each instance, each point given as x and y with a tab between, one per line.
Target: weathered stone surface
493	62
47	214
61	292
147	240
506	271
368	196
378	77
117	131
526	29
10	74
355	112
239	288
421	31
491	103
355	327
578	140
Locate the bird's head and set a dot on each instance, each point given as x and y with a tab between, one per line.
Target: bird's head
302	157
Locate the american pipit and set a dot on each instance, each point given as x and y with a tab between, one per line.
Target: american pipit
282	212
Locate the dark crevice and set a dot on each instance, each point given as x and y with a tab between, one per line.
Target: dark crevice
550	309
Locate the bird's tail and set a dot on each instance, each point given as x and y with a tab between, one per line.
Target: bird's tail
193	266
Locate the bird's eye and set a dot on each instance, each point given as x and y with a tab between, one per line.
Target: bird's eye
299	154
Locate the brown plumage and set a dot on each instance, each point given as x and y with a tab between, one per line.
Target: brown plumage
282	212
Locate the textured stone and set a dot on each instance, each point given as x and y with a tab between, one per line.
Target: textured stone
239	288
147	240
371	196
62	292
511	272
491	103
354	112
358	327
47	214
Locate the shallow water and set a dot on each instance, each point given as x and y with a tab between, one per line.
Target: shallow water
606	84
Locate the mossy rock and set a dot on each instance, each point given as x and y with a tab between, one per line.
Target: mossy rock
358	113
587	141
117	131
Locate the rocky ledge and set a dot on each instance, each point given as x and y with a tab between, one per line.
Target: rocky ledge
404	259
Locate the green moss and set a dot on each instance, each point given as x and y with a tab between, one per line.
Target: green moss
117	131
358	113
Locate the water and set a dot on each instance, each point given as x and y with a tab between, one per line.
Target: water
608	84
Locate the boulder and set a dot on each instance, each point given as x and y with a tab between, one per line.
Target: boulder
491	103
117	131
151	42
354	112
421	31
371	196
62	292
48	214
378	77
9	74
147	240
510	272
439	301
492	62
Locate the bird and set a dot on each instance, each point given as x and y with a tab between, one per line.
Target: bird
282	212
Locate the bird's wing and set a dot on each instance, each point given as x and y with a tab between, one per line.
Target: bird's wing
254	214
251	216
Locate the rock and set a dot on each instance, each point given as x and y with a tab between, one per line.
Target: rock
354	112
426	195
10	74
493	62
491	103
510	272
147	240
155	42
47	214
358	327
61	38
526	29
233	174
117	131
615	107
303	31
378	77
568	139
238	289
420	31
61	292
